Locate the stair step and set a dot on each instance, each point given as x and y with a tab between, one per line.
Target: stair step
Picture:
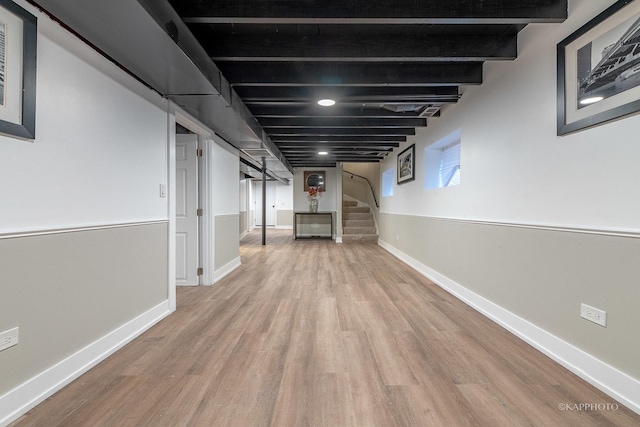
358	223
356	209
346	203
358	216
360	238
359	230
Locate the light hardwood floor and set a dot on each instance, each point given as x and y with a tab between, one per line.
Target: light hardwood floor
313	333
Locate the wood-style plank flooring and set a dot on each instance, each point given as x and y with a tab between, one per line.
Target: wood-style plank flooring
313	333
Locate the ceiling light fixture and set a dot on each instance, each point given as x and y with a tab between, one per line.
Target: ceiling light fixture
591	100
327	102
322	153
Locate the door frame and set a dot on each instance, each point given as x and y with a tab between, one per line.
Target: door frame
175	115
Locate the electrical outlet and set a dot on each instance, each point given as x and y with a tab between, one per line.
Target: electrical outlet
8	338
593	314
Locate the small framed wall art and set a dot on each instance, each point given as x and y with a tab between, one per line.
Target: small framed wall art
406	165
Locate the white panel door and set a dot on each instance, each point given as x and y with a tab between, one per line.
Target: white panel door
186	210
271	203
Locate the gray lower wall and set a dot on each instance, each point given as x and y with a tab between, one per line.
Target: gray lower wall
243	221
65	291
284	218
540	275
227	243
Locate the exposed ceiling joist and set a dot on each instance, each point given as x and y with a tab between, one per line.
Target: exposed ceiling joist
352	73
340	131
313	110
346	139
374	11
337	147
375	48
347	94
334	150
390	66
340	122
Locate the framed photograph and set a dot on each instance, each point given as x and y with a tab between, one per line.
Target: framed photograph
599	69
407	164
314	179
18	35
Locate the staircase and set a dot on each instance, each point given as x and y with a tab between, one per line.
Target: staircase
357	223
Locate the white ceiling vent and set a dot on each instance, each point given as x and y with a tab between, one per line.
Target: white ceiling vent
430	111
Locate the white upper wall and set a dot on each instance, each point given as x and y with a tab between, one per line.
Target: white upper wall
243	194
513	166
226	183
329	199
99	155
284	196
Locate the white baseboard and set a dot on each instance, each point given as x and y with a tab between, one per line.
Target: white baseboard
226	269
606	378
23	398
339	239
284	227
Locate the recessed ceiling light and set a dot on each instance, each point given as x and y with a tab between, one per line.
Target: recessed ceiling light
322	153
326	102
591	100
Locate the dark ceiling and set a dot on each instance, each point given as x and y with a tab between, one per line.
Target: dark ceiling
390	65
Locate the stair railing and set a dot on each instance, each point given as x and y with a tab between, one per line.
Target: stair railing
368	182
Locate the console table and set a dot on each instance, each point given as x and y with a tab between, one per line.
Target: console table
309	225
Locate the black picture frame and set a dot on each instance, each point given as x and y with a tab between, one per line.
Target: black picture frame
406	165
578	79
25	125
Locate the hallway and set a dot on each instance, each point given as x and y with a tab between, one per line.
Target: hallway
310	332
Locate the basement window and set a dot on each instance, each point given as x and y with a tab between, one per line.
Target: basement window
450	165
387	182
442	162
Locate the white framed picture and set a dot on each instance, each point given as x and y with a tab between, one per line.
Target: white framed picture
18	37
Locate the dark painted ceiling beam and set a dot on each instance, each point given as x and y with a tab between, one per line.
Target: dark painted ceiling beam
354	157
362	48
334	150
346	94
352	73
339	146
337	122
317	111
339	131
331	162
325	164
355	139
280	57
373	11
